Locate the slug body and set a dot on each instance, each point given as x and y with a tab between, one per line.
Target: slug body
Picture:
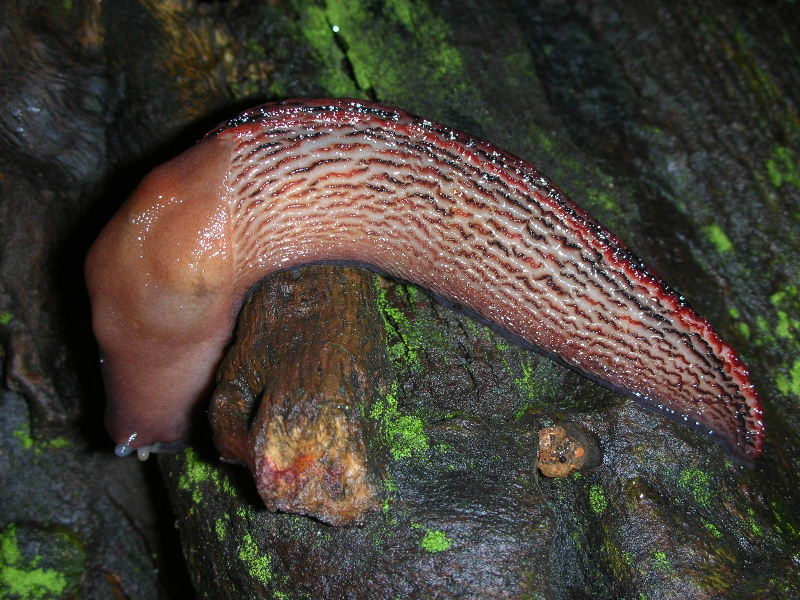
297	182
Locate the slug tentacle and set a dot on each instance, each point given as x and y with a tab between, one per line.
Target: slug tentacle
291	183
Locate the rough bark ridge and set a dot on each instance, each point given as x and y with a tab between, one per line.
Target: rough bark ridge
675	124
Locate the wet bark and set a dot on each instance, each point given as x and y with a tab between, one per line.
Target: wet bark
676	124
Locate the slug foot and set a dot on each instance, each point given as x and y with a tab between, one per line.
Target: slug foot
143	452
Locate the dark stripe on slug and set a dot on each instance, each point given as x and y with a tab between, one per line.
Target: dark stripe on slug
314	165
500	245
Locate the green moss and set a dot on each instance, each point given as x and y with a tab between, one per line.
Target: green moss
786	325
404	336
779	512
221	529
346	19
317	28
719	238
196	474
597	499
227	486
661	562
258	565
22	579
28	442
386	505
23	436
699	484
783	167
435	540
786	335
390	485
431	32
345	34
408	435
405	434
603	200
541	381
619	560
59	443
713	529
5	318
764	331
743	327
786	303
753	522
789	384
391	490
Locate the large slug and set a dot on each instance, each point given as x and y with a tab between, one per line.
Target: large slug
303	181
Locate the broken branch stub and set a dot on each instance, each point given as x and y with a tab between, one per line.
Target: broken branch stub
306	365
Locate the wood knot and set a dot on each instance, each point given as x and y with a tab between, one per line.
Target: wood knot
564	449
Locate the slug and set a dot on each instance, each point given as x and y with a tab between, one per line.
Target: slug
307	181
